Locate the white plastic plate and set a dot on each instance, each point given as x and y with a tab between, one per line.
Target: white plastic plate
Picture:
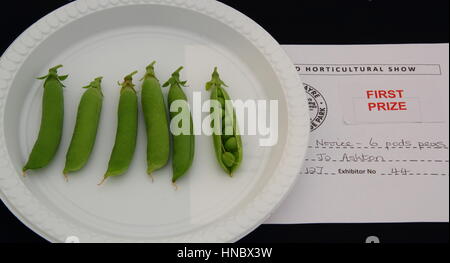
112	38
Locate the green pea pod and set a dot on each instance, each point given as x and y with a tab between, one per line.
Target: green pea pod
52	120
227	139
154	108
183	144
85	133
127	128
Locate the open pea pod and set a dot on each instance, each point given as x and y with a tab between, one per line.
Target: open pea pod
227	138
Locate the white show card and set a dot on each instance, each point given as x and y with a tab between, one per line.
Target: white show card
379	149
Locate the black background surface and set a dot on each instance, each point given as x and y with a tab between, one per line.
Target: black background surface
295	22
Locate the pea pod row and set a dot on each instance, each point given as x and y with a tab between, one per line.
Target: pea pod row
226	137
227	140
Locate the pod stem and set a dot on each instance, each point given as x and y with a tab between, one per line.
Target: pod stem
66	177
175	79
130	76
151	176
96	84
177	72
53	72
215	82
175	186
150	71
128	81
104	180
55	69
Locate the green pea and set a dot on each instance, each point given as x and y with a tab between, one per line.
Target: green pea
225	138
183	144
52	119
85	133
127	128
228	159
154	108
231	145
228	145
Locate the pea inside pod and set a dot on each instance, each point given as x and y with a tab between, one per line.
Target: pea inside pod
52	119
227	140
85	132
127	129
183	143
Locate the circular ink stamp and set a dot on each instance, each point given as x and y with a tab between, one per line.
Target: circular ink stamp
318	107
